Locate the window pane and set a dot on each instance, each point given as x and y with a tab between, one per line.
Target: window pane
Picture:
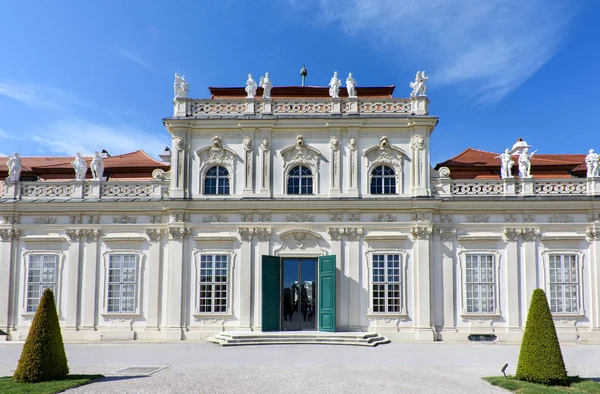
479	277
122	283
213	286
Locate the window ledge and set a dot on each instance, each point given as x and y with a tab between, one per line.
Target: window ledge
121	314
212	315
568	315
396	315
480	315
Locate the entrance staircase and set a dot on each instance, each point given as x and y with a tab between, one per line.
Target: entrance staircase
298	338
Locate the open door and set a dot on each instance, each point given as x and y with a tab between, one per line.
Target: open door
327	291
271	293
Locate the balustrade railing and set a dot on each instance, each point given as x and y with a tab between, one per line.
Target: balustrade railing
446	187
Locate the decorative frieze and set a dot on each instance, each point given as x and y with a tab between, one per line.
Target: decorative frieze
215	217
510	217
560	218
8	234
445	218
354	217
7	219
419	232
528	218
447	234
124	219
335	217
299	217
247	217
179	232
44	220
478	218
261	233
383	217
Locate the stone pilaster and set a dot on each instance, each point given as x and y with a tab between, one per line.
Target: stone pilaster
72	281
419	166
355	286
422	290
262	248
173	316
529	265
89	298
8	240
265	162
513	293
353	161
248	145
155	236
335	235
447	246
335	166
244	279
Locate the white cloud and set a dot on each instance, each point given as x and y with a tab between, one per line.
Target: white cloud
40	96
489	46
127	54
72	135
6	136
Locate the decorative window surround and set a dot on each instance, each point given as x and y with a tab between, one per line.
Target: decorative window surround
57	285
462	276
105	277
403	266
196	285
547	284
216	155
301	154
384	154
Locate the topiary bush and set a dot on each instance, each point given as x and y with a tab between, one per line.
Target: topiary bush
43	357
540	359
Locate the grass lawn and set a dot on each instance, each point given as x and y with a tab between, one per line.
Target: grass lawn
578	386
9	386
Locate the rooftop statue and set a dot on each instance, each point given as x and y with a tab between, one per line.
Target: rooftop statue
525	163
14	167
80	167
334	86
251	87
592	163
351	86
266	84
419	87
180	86
506	164
97	166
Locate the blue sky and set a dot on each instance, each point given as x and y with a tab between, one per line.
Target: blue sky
79	75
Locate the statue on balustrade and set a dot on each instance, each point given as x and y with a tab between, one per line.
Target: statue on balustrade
180	86
506	164
267	85
419	86
97	166
593	164
525	163
14	167
351	86
251	87
80	167
334	86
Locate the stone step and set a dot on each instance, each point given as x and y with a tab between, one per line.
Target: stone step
286	338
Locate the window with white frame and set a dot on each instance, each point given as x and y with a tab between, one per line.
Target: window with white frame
564	283
387	284
122	283
480	283
214	283
41	275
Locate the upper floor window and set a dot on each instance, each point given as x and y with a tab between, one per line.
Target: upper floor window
564	283
216	180
383	180
300	181
122	283
41	275
480	283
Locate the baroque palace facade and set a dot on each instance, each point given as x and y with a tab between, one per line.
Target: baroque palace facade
301	208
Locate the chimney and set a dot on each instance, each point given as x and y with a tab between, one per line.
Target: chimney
105	153
165	156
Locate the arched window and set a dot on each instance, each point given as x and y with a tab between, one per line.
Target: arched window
383	180
216	181
300	181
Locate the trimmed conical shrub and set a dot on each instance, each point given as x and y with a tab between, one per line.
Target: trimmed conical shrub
43	357
541	360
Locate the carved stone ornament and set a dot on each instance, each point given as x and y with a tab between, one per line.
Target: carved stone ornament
263	234
511	234
179	232
246	233
74	219
445	218
528	218
216	154
92	235
301	154
556	218
247	217
44	220
124	219
215	217
419	232
74	235
161	174
478	218
592	233
417	142
354	217
444	173
8	234
447	234
265	145
510	218
530	234
385	154
353	233
248	144
299	217
335	217
9	219
334	143
383	217
179	143
335	233
154	233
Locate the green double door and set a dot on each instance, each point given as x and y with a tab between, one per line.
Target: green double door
298	294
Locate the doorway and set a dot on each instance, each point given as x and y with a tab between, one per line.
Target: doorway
299	294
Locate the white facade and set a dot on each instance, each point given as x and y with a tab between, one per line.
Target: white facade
458	258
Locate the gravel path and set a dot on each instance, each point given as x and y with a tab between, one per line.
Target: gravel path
192	367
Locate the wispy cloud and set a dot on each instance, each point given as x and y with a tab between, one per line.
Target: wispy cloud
4	135
40	96
72	135
489	46
127	54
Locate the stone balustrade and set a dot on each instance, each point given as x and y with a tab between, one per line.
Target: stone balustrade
187	107
154	189
457	188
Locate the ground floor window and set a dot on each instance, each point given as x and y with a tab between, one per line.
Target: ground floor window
387	284
122	283
564	283
41	275
214	283
480	283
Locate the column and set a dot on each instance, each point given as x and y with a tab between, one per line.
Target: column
335	167
72	280
265	163
263	248
248	161
244	278
422	289
449	283
7	262
529	266
174	270
89	290
355	285
512	289
154	268
335	235
353	160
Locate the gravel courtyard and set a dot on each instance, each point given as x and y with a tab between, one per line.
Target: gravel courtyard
191	367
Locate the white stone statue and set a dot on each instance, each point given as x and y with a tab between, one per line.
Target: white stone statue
180	86
351	86
525	163
593	166
334	86
97	166
506	164
419	87
251	87
14	167
80	167
266	84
